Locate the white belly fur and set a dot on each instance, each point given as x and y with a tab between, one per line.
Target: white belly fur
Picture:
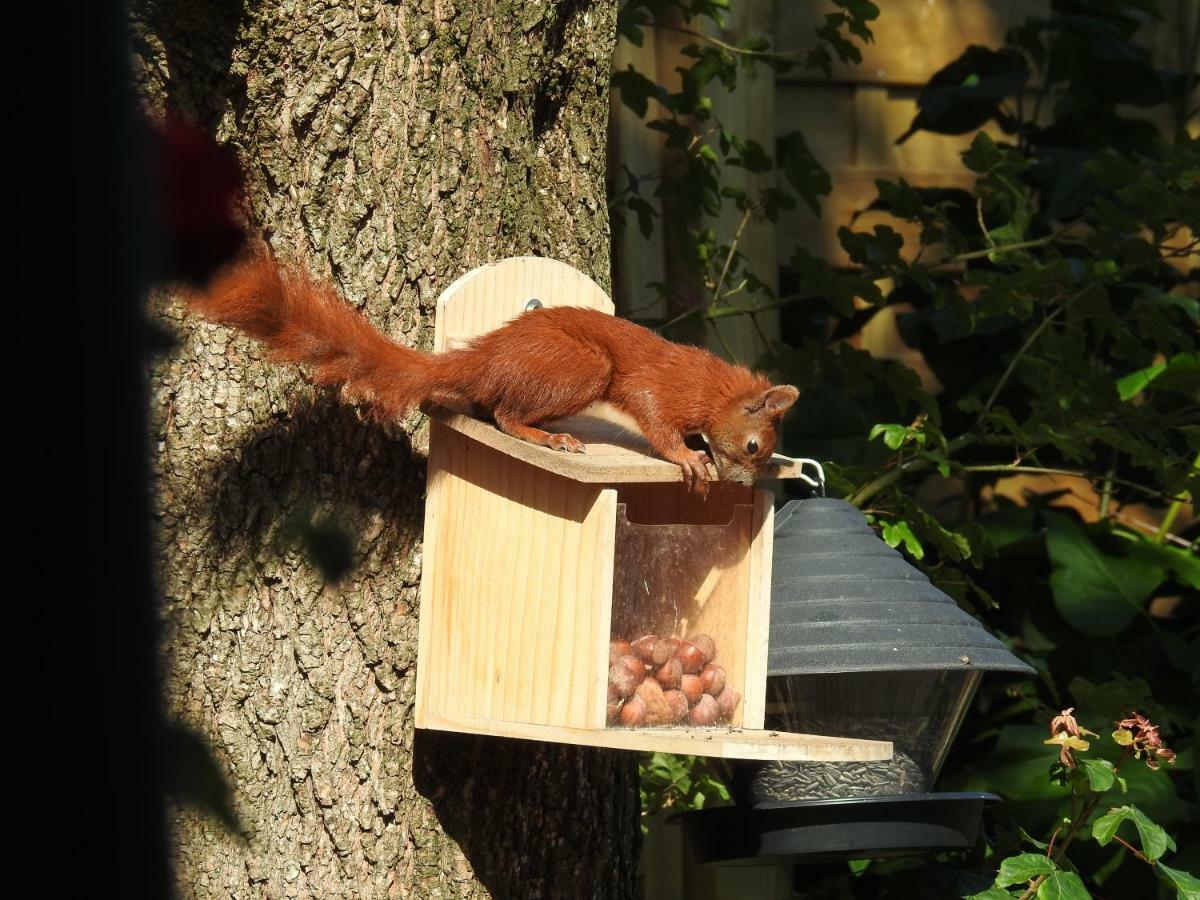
609	413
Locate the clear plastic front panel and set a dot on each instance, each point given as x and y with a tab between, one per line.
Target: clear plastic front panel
677	653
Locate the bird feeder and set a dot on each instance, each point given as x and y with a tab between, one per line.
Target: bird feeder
536	560
862	644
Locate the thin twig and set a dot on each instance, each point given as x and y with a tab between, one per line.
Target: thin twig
1012	363
1007	248
737	236
1172	511
743	51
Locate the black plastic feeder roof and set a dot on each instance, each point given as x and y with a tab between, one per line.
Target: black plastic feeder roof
844	601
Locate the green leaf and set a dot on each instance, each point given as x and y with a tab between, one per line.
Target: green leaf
1183	564
895	532
1096	593
1099	773
1023	868
893	435
1153	297
992	893
1063	886
1181	373
1154	839
1026	836
1187	885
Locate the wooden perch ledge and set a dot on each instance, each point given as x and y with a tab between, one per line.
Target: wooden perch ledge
614	455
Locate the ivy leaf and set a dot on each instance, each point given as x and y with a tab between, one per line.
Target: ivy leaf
1063	886
1023	868
1187	885
807	177
1096	593
876	250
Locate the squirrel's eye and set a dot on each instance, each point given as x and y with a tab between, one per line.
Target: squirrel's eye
752	447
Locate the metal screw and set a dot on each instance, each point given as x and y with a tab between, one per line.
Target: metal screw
535	303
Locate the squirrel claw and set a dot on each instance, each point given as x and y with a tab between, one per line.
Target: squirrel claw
566	443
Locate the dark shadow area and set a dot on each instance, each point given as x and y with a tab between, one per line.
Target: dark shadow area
581	795
556	85
322	454
198	39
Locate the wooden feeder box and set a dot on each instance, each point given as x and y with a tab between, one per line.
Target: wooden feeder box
534	559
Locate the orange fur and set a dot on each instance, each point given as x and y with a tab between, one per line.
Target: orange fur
544	365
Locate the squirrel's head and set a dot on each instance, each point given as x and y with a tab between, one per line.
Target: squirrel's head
744	434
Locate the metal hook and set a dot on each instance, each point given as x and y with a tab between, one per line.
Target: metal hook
819	481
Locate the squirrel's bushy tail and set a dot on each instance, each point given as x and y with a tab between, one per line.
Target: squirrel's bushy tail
302	322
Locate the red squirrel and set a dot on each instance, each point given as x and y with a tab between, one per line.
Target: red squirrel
544	365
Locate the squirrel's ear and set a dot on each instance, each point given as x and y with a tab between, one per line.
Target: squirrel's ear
779	400
775	401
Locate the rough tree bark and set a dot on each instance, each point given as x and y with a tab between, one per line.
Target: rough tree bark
389	148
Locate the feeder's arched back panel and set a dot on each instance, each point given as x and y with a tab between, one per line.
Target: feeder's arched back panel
506	543
487	297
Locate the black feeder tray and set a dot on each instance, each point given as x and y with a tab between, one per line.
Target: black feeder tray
817	831
863	645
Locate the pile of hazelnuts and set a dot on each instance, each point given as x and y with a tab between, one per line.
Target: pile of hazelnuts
667	681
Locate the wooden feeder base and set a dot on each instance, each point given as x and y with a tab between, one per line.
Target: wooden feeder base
720	741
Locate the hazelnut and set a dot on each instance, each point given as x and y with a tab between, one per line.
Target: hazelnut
692	687
623	677
706	645
633	713
669	674
714	679
662	651
704	712
727	703
613	714
635	665
679	705
691	657
644	647
617	648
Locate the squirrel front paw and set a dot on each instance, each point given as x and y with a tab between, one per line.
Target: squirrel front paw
694	465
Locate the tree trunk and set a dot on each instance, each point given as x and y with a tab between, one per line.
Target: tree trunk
389	149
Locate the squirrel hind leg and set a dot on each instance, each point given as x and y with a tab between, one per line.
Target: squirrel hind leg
554	441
